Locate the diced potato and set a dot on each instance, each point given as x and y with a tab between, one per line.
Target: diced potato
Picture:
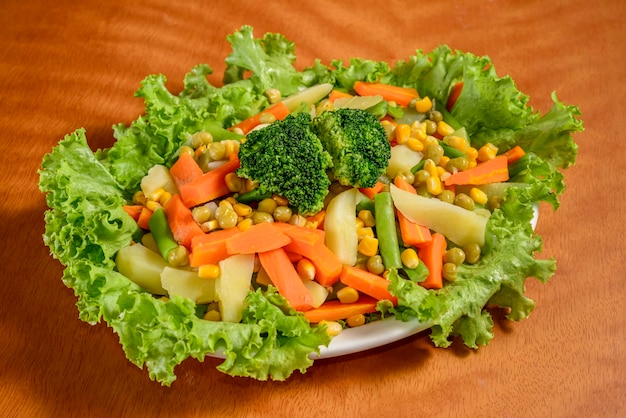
459	225
319	292
340	226
158	177
233	285
188	284
402	160
143	266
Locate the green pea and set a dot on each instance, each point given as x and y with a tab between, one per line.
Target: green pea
472	253
464	201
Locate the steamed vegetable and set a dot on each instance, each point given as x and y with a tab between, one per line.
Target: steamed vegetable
90	224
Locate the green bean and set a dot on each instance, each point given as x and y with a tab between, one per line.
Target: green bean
254	195
162	233
386	230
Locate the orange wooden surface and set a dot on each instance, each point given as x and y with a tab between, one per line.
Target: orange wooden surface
65	65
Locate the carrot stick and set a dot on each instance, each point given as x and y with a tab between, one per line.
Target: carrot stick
210	248
401	95
309	243
184	170
411	232
455	92
334	310
514	154
490	171
366	282
279	110
208	186
285	277
133	210
257	239
432	256
184	227
143	219
372	191
338	94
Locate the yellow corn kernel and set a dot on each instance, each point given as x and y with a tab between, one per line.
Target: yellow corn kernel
305	269
280	201
267	117
430	140
403	131
409	258
230	148
415	144
443	160
478	196
156	195
262	278
209	226
359	223
444	129
234	183
390	128
423	105
355	320
152	205
471	153
199	151
368	246
433	185
212	315
365	231
471	164
333	328
487	152
273	95
201	138
347	295
367	217
209	271
431	167
164	198
440	171
139	198
241	209
245	224
457	142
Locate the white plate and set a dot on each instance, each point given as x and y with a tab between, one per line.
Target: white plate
375	334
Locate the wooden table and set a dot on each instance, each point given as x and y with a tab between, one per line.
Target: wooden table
65	65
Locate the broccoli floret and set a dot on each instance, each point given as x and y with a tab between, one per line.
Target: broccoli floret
358	144
287	159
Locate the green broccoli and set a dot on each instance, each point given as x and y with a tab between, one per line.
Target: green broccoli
287	159
358	144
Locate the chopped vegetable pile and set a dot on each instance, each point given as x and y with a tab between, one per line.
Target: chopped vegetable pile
260	218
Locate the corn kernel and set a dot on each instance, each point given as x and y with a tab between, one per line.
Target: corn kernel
433	185
273	95
403	131
415	144
471	153
234	183
365	231
305	269
209	226
368	246
333	328
444	129
487	152
367	217
266	117
457	142
390	128
409	258
478	196
212	315
165	197
280	201
444	160
245	224
262	278
423	105
359	223
152	205
440	171
347	295
471	164
241	209
201	138
156	195
209	271
139	198
355	320
430	167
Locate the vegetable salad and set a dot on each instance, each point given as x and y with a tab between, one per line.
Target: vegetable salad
262	217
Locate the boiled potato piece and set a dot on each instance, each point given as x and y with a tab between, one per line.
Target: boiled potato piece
319	292
459	225
158	177
340	226
188	284
233	285
143	266
402	160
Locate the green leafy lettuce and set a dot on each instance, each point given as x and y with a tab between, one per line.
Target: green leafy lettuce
86	225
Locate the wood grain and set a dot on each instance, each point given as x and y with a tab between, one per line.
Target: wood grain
65	65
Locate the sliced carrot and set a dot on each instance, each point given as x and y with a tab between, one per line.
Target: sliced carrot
455	92
143	219
257	239
366	282
309	243
490	171
208	186
185	170
411	233
279	110
373	191
334	310
284	276
133	210
293	257
184	227
432	256
338	94
401	95
514	154
210	248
